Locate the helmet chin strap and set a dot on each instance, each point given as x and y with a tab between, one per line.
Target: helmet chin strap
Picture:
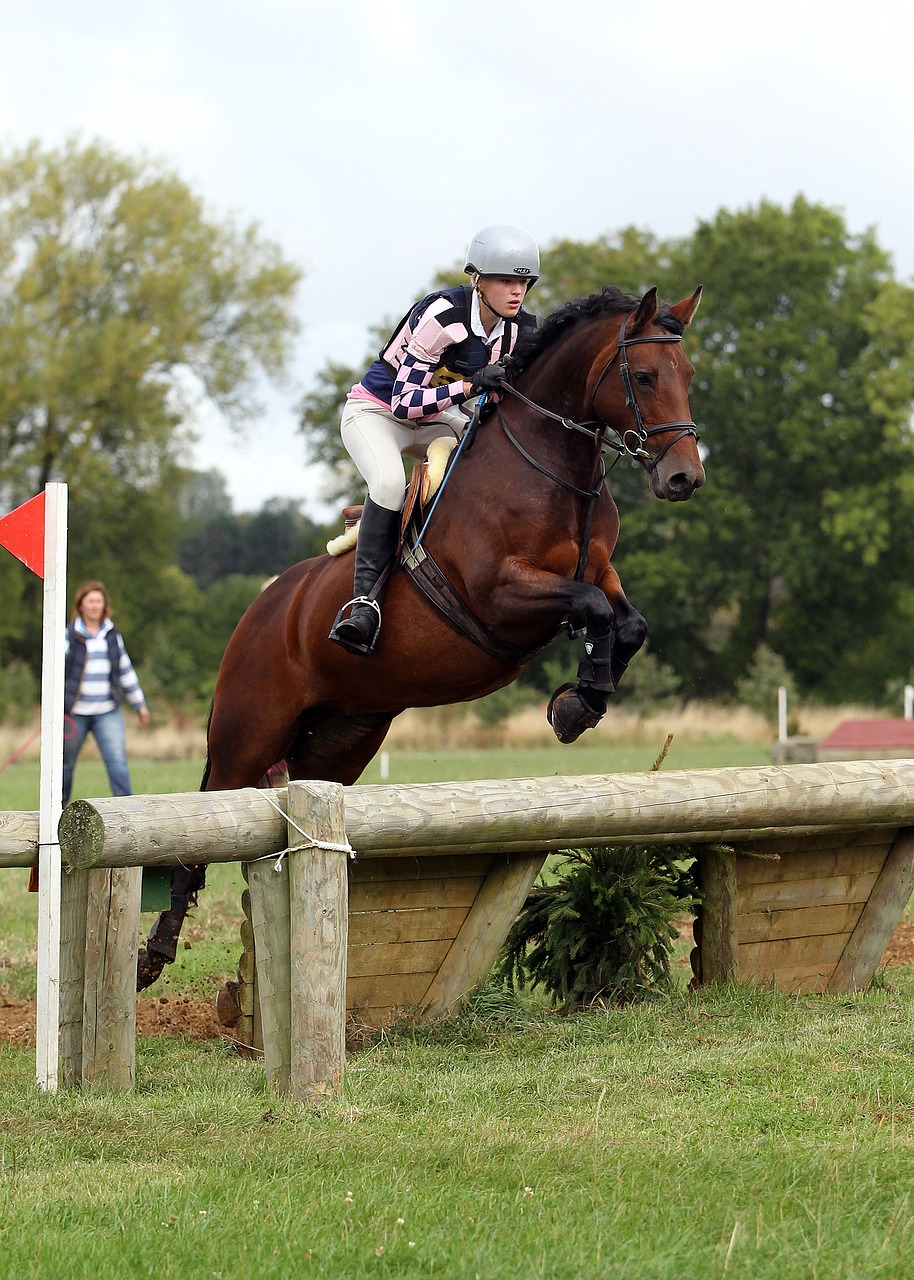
486	301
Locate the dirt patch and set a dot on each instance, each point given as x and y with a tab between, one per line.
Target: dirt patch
192	1018
176	1017
901	947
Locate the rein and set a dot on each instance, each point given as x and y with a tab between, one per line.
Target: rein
596	427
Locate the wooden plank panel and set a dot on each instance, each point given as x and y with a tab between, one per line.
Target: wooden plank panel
791	842
719	916
412	867
388	896
369	927
388	958
801	922
805	893
768	958
878	919
398	990
377	1017
840	859
797	979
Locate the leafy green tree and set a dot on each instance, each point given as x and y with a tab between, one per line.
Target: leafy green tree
123	305
801	540
119	301
262	543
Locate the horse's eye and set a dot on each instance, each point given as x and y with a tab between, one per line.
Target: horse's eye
644	379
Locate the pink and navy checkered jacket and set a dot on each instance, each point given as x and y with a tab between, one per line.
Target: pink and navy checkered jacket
422	368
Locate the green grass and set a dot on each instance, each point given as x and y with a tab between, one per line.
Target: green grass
19	783
727	1132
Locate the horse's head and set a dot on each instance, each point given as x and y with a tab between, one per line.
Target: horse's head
648	404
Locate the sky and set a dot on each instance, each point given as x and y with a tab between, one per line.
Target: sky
371	138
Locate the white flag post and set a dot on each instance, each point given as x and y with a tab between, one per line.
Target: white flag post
53	622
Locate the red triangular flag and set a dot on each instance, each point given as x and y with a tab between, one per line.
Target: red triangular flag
22	533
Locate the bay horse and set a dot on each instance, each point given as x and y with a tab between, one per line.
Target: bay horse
519	544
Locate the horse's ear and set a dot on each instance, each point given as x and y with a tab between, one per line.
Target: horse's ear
685	310
641	318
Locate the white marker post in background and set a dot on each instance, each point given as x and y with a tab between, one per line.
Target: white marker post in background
36	534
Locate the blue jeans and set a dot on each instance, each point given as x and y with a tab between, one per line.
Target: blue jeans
108	731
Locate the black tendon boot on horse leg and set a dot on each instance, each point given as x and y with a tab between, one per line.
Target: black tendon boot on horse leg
378	534
581	704
162	943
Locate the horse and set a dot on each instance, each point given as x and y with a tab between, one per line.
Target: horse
518	545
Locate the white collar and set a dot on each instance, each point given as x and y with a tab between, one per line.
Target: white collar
102	631
477	326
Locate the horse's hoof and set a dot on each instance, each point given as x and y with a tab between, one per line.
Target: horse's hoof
149	966
570	714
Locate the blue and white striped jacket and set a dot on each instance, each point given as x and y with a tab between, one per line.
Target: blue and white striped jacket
98	671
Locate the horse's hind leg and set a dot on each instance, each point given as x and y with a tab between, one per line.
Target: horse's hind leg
162	942
337	748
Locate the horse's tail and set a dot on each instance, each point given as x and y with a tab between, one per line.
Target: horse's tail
208	762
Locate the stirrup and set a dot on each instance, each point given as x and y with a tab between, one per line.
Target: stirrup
349	642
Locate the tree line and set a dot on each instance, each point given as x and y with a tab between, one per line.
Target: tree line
800	544
125	306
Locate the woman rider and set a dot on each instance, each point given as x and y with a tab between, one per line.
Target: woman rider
446	350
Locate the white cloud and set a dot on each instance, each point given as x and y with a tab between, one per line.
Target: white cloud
372	137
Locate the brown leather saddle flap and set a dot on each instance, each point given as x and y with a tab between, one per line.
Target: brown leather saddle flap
416	497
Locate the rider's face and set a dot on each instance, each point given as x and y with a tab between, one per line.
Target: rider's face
502	294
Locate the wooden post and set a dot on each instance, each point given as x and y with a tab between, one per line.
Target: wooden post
109	1011
888	899
269	890
719	942
319	934
73	906
476	947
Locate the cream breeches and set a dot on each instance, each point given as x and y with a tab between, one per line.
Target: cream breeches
377	442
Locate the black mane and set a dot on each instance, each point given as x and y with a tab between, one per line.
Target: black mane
610	301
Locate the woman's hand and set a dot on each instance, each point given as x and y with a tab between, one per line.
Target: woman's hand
143	717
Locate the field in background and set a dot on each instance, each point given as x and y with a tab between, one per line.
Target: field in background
458	727
723	1132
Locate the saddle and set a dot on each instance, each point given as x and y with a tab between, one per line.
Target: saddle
421	570
423	485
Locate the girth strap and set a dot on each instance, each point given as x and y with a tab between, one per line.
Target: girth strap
427	578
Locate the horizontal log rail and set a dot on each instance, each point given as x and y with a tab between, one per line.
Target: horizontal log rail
503	815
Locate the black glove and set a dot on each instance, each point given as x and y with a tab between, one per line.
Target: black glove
489	378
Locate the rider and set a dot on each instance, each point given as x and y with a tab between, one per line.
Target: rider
446	350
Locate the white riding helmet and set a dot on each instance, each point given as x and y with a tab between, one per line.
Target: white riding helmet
504	251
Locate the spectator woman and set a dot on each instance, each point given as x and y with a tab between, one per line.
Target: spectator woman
98	677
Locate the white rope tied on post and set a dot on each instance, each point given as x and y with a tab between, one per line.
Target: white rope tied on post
309	841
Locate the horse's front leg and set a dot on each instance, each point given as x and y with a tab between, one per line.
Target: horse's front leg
608	649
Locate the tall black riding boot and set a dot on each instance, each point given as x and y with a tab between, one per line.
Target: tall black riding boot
378	534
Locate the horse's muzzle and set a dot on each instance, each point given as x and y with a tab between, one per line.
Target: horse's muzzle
677	486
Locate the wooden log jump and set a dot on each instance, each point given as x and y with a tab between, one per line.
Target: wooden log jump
510	815
817	872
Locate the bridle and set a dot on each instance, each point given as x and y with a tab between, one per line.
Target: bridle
631	441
